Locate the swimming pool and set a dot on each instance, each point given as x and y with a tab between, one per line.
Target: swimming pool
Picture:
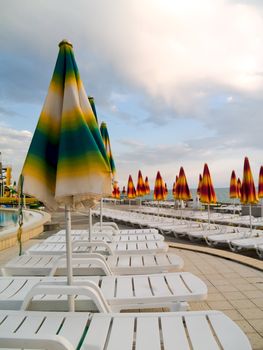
7	218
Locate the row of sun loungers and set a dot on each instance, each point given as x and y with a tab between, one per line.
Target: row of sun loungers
131	271
234	237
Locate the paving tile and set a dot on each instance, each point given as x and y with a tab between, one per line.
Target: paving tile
233	295
256	341
252	313
257	324
245	326
220	305
258	302
253	293
234	314
227	288
215	296
242	304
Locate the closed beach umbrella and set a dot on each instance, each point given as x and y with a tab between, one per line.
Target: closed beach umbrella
147	186
182	192
207	192
166	190
140	188
116	191
174	186
67	161
123	192
248	191
199	185
239	184
92	104
260	188
131	193
159	189
233	189
107	145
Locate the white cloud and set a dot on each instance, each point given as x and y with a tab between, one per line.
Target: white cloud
14	145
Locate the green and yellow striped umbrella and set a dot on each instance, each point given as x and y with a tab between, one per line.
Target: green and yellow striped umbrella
106	141
67	161
92	104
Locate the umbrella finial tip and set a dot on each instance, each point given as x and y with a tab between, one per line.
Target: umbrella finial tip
65	42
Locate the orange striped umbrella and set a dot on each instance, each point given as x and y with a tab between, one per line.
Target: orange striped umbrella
159	190
199	185
166	190
174	186
239	187
140	189
131	193
182	190
147	186
233	190
248	191
260	183
260	188
207	192
116	191
123	190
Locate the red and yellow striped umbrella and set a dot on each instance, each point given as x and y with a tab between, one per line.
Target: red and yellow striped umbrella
233	190
260	183
174	186
147	186
159	190
199	185
140	189
116	191
131	193
239	185
166	190
207	193
182	190
123	190
248	191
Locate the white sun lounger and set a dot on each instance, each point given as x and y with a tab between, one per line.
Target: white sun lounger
214	230
92	264
96	230
107	237
106	293
224	238
245	243
198	330
100	247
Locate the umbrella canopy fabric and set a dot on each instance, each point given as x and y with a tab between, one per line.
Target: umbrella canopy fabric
116	191
123	190
248	191
182	191
174	186
166	190
207	192
67	161
140	189
199	185
147	186
239	185
106	141
92	104
260	183
233	190
131	193
159	189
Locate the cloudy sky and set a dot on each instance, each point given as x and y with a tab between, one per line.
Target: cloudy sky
179	83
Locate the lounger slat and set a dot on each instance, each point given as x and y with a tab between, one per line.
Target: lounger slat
159	286
121	336
97	332
222	325
148	336
200	333
174	335
141	287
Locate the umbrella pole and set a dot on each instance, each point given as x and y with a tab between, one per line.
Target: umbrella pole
250	219
101	207
71	305
181	209
90	224
158	212
208	208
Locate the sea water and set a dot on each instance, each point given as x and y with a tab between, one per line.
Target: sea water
221	193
